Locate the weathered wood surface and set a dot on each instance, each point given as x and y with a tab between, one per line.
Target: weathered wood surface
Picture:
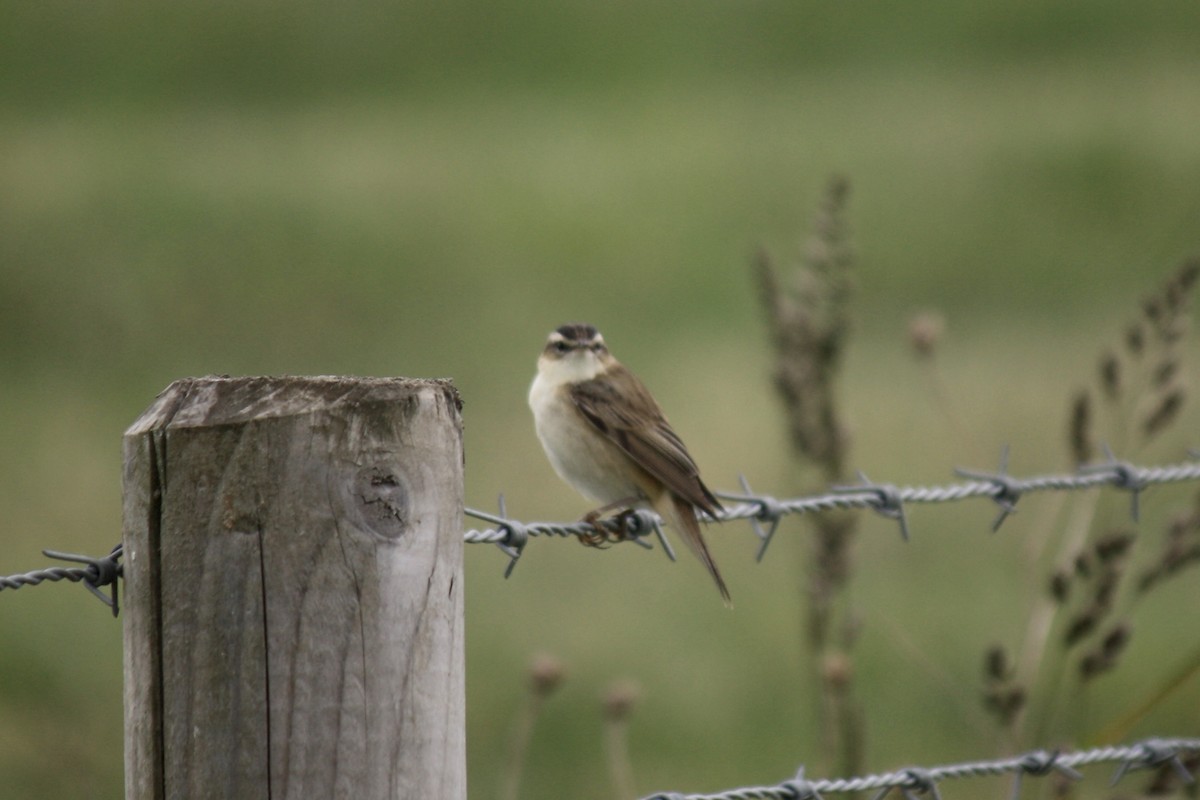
294	597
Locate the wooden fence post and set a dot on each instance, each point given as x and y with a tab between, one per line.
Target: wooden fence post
293	584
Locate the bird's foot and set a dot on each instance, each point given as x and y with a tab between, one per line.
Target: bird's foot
599	536
603	537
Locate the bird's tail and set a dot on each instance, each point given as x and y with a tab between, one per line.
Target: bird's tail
682	517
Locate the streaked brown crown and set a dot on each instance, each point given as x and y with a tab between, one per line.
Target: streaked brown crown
577	332
574	336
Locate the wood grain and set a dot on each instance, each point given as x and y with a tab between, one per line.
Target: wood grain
293	566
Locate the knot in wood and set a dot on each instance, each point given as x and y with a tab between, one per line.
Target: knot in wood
380	501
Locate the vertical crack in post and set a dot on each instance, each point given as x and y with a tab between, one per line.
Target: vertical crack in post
156	447
262	584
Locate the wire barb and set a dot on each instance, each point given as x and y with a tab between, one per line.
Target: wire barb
920	781
888	500
516	536
662	537
96	572
1039	764
770	510
801	788
1008	491
1154	753
1123	475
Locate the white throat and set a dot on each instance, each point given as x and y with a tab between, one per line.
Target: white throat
579	366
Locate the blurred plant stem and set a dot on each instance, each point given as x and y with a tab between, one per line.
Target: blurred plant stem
925	333
545	674
1119	729
1038	663
1080	628
808	321
618	703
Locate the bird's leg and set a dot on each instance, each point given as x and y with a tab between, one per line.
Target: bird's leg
603	536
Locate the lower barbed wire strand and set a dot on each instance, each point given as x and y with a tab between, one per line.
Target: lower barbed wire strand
1146	754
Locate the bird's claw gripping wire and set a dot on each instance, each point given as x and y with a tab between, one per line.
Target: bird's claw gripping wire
601	537
627	526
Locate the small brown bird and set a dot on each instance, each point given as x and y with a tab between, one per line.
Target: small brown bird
606	436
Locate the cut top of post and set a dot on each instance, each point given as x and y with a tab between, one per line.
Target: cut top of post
223	400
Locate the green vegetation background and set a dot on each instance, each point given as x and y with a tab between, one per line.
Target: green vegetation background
426	188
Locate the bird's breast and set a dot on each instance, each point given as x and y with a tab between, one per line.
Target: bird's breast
580	454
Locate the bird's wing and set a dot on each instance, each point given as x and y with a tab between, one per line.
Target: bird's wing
621	408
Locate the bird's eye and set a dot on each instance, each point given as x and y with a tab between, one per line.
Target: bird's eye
598	347
561	346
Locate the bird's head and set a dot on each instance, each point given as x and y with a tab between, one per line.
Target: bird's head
574	352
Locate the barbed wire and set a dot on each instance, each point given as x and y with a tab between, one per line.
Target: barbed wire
765	512
512	535
98	572
914	781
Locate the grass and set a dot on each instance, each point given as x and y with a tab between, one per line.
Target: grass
192	189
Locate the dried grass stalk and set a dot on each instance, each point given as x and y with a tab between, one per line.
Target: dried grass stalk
808	320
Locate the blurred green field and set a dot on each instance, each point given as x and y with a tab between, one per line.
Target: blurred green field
426	189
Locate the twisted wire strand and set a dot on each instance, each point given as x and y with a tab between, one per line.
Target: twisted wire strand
96	573
867	495
37	576
512	535
1148	754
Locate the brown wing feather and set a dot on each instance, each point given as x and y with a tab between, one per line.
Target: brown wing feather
622	409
